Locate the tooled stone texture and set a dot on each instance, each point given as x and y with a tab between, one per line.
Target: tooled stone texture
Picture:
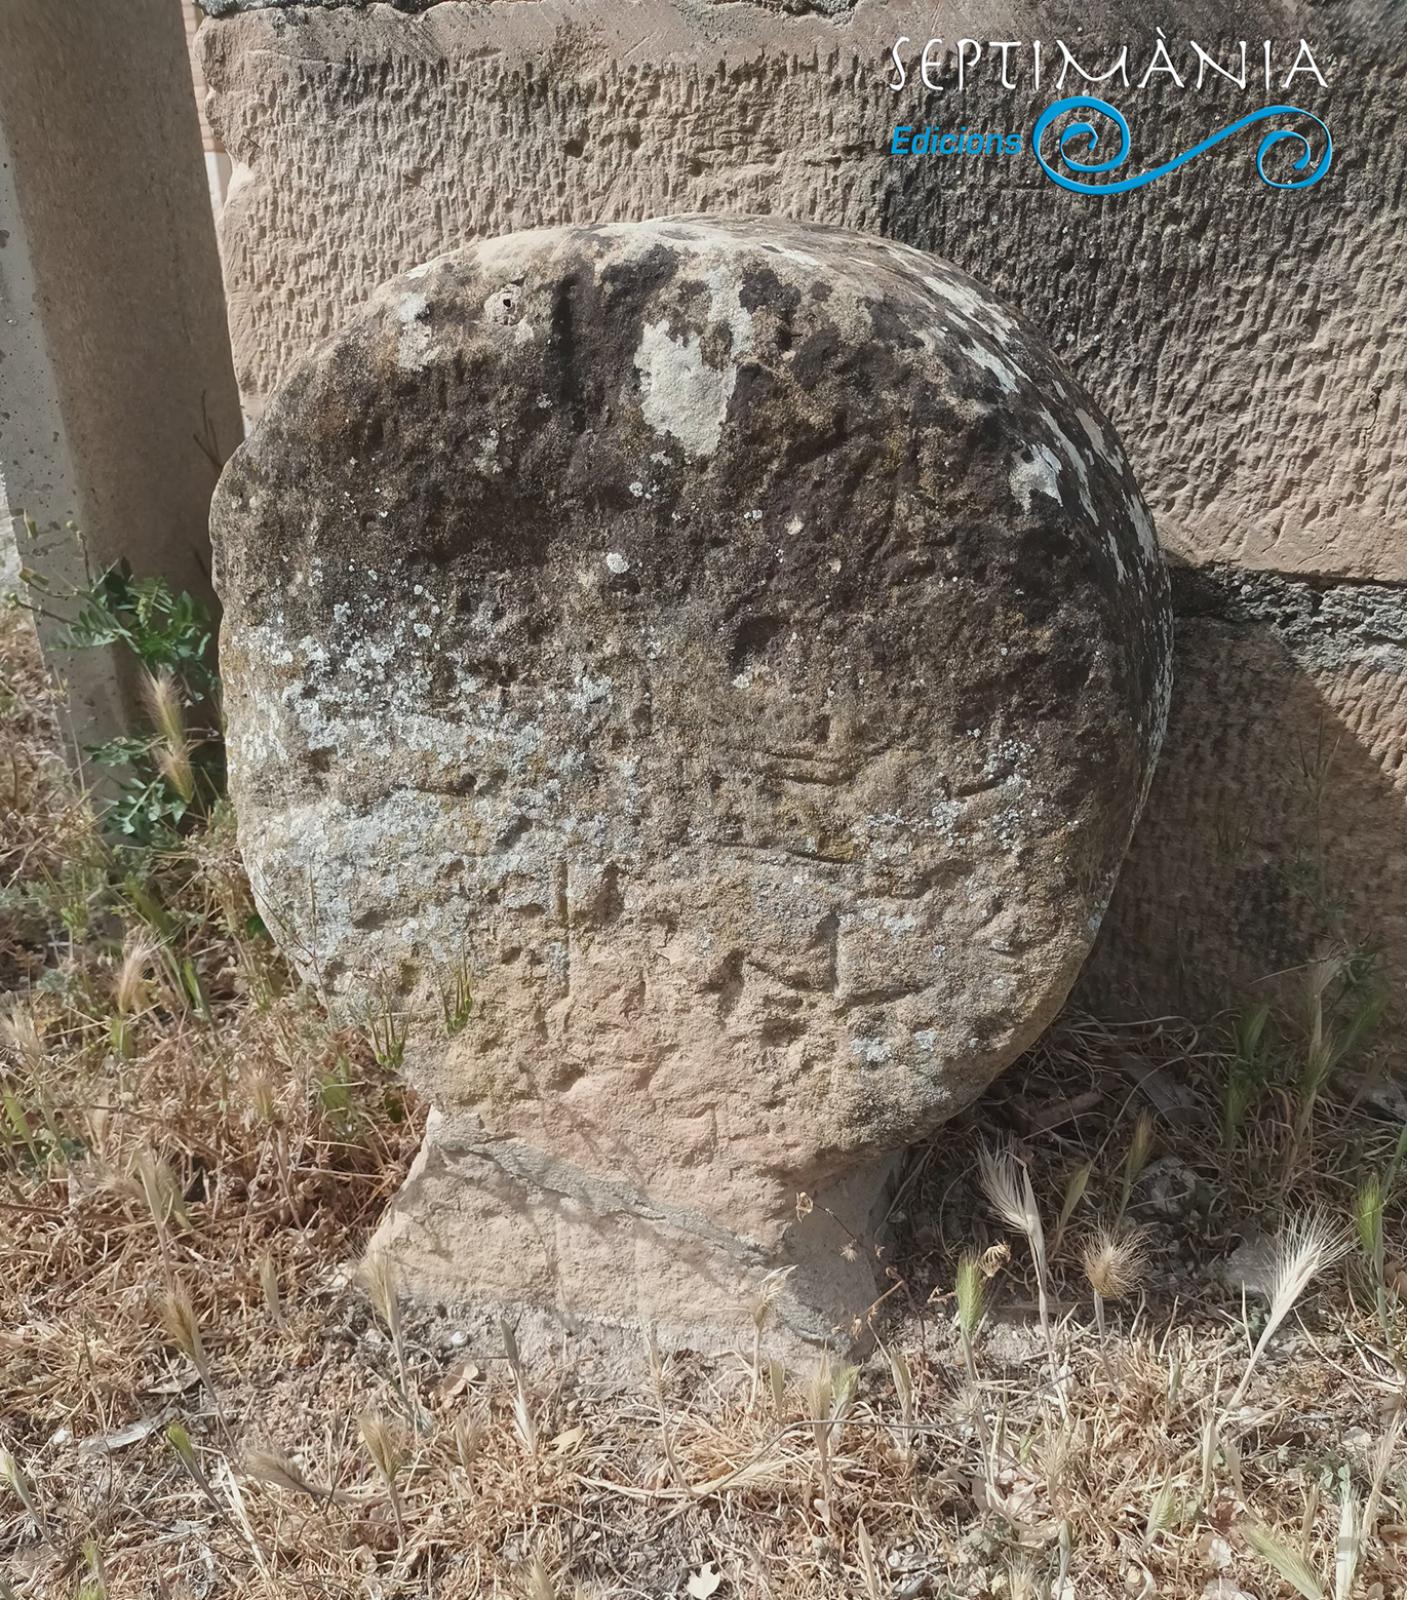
743	645
1274	833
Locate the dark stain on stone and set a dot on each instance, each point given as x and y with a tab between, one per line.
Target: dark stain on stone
565	369
763	289
816	356
751	638
892	326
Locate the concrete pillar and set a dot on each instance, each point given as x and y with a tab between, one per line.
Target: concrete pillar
118	403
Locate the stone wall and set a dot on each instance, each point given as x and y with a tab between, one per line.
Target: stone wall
1241	338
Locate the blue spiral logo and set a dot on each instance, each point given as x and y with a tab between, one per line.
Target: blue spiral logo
1073	132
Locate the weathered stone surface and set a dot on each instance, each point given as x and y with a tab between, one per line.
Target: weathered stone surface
1245	339
747	648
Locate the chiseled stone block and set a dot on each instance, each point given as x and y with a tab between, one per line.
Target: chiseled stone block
1276	830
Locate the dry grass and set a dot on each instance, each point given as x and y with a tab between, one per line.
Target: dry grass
199	1397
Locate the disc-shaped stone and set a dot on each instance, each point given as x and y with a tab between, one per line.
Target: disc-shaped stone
738	645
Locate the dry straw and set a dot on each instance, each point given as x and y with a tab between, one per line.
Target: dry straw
1007	1184
524	1417
1113	1265
172	753
1304	1248
384	1446
23	1489
377	1276
179	1319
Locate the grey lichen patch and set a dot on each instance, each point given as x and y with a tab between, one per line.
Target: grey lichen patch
681	392
413	346
1037	471
742	645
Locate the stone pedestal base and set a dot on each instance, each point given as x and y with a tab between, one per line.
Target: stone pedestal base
500	1227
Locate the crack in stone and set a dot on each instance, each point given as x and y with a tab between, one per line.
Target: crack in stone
1323	622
